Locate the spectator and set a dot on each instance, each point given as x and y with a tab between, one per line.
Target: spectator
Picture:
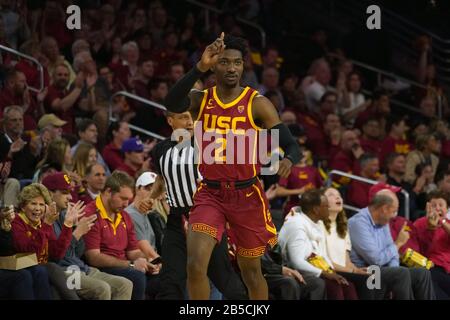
302	178
176	72
270	82
15	23
144	42
317	83
133	149
249	77
127	72
400	225
353	101
13	145
54	125
93	283
58	151
25	284
288	117
434	238
333	130
380	109
167	54
346	159
328	104
149	117
32	48
62	101
427	108
302	238
9	187
85	156
143	112
111	244
158	23
88	134
442	180
144	76
428	146
94	98
372	244
395	173
79	46
33	232
396	140
139	210
440	126
423	184
289	89
118	132
95	179
50	49
339	244
358	191
53	24
15	92
370	139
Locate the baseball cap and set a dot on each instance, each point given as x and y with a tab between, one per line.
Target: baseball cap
50	119
57	181
382	186
145	179
132	145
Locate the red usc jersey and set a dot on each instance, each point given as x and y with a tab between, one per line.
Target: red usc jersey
227	137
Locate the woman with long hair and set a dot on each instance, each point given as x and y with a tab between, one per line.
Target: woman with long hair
338	244
58	151
85	156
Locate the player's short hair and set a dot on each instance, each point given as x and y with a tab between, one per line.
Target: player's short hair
236	43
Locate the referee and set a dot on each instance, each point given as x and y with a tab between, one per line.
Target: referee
174	162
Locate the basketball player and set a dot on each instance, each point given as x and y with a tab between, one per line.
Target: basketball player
230	193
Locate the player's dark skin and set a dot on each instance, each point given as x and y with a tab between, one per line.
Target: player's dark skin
228	65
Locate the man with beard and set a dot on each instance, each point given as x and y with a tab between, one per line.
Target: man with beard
111	244
15	92
60	100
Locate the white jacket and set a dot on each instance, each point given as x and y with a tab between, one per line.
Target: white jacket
299	238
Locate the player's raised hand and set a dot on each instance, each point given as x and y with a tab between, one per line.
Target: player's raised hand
211	54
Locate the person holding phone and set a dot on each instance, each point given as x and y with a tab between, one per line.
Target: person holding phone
94	284
111	244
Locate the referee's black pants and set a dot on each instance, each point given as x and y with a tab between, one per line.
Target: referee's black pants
174	254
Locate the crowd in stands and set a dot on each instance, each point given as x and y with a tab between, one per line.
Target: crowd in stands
82	186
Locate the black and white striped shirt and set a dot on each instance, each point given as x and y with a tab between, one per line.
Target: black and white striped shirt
175	162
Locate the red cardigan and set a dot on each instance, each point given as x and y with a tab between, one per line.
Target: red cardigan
39	239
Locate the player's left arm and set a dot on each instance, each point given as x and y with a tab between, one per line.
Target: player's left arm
264	111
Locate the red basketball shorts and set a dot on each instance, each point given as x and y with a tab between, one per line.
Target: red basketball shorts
246	211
